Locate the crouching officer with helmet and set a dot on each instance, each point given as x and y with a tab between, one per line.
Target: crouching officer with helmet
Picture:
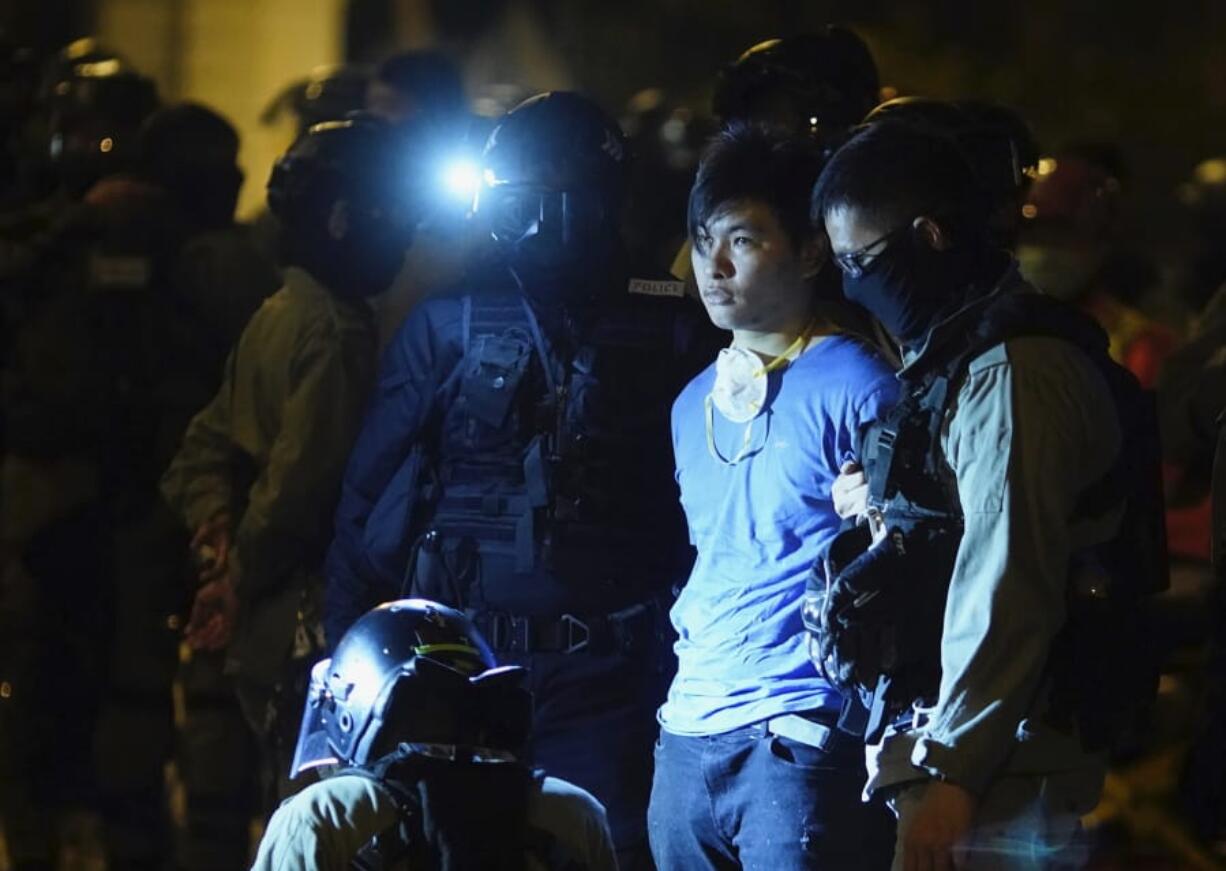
515	461
994	624
431	733
256	476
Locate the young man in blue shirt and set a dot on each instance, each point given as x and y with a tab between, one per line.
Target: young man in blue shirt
751	769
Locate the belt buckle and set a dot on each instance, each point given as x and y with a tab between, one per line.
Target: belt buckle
571	622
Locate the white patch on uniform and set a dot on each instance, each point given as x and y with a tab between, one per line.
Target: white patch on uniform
656	288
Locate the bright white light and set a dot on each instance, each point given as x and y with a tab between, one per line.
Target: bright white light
461	179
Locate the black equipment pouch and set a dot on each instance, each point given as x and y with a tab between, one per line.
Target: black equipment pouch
493	368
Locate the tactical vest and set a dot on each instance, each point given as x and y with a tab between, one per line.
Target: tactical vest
913	492
554	457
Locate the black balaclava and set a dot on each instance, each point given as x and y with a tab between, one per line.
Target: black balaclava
911	287
362	264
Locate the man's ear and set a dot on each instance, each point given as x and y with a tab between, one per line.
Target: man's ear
814	253
338	220
932	233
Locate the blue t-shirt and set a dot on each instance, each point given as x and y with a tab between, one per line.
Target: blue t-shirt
758	527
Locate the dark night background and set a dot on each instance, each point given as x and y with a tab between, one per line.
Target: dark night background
1150	77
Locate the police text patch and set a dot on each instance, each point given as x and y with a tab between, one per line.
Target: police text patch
657	288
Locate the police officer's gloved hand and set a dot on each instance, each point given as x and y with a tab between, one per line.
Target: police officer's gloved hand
849	613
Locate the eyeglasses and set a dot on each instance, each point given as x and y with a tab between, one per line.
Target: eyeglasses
855	263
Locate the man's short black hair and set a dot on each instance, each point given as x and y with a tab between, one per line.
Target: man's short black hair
892	173
753	162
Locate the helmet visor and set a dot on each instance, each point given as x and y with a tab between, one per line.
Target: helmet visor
313	749
518	212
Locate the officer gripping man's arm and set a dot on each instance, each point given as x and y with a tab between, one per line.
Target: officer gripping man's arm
995	443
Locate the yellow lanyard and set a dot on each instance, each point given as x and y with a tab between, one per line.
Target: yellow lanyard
797	347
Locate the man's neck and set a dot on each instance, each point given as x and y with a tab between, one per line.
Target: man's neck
778	338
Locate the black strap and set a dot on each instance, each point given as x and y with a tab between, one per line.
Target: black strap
626	631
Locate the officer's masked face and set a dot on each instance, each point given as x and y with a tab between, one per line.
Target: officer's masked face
751	274
551	234
905	275
370	240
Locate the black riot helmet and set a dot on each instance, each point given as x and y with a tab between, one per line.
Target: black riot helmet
93	112
819	83
418	673
348	195
329	93
554	175
995	140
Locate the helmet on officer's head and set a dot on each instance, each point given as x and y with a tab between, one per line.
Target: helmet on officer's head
554	173
329	93
93	112
995	140
820	83
377	171
412	672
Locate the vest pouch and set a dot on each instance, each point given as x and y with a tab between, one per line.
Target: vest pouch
477	543
444	569
493	368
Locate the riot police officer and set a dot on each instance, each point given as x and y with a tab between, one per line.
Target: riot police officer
431	733
257	471
515	460
989	620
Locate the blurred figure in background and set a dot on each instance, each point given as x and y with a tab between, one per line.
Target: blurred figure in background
137	299
257	474
422	90
665	140
1072	249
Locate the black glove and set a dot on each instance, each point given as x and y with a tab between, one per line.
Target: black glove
849	610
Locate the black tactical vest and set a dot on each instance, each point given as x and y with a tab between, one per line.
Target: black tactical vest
554	459
913	491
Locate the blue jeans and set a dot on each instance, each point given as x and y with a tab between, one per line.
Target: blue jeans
750	799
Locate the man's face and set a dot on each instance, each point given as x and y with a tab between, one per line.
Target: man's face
750	273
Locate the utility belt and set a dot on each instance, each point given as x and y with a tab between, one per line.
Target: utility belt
630	631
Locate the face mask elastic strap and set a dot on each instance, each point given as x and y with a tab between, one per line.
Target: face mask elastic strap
747	450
